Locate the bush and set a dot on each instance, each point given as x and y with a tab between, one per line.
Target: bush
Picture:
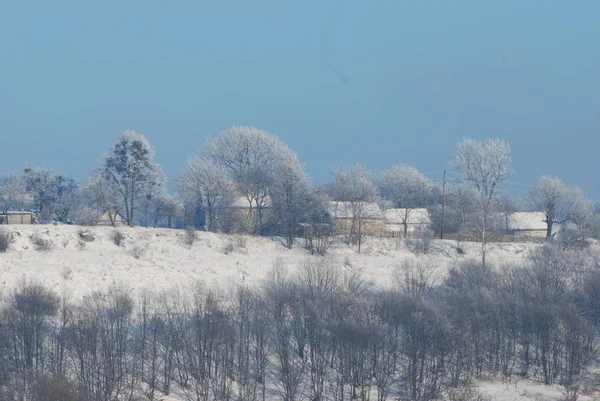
421	243
229	247
41	388
117	237
571	238
138	251
56	388
466	393
5	240
86	235
240	241
40	243
190	236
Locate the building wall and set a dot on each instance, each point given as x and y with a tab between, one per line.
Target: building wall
530	233
19	218
397	230
372	228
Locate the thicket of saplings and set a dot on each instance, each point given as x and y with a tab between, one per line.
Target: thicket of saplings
320	334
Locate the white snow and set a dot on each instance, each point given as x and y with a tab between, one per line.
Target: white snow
166	262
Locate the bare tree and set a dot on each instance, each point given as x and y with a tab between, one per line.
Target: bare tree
251	157
151	194
207	186
484	165
550	196
13	192
292	196
405	187
105	197
41	184
582	211
354	191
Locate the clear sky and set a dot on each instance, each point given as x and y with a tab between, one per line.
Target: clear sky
340	81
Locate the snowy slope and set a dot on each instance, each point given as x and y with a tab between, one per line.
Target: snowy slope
166	261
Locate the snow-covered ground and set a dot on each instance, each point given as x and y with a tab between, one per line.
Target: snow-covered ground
164	261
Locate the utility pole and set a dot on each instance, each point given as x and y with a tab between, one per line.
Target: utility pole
443	205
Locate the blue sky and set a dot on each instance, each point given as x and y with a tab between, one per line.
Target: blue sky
341	81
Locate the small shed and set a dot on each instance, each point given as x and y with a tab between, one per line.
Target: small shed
19	217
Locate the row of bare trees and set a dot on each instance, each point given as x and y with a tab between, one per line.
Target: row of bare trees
321	334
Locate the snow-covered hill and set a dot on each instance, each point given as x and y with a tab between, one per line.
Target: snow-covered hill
159	258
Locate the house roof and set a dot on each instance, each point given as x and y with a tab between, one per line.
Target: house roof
526	221
16	212
415	216
346	210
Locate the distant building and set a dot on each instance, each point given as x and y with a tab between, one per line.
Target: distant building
347	215
20	217
397	220
528	224
242	217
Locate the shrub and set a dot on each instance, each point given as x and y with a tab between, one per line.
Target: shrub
56	388
86	235
138	251
5	240
466	393
240	241
40	243
190	236
229	247
117	237
421	243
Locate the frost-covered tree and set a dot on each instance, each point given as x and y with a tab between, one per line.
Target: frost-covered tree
105	196
53	194
252	158
40	183
354	187
581	211
405	187
207	186
292	194
550	196
166	207
67	198
484	165
561	204
151	195
13	192
130	170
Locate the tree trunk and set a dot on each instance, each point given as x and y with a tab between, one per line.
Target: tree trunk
549	224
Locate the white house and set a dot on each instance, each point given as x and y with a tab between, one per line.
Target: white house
397	220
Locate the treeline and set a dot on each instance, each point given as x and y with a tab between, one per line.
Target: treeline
320	334
247	180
